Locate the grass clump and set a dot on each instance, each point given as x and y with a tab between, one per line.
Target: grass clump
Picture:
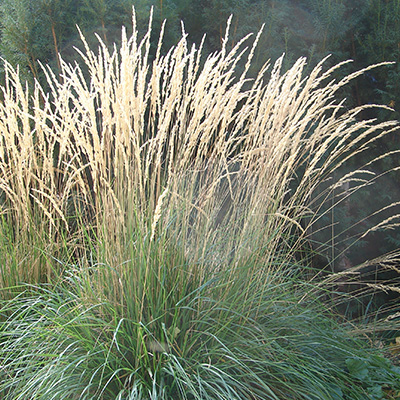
215	343
160	194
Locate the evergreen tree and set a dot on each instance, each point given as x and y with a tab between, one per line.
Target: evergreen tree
378	40
21	43
34	30
60	16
